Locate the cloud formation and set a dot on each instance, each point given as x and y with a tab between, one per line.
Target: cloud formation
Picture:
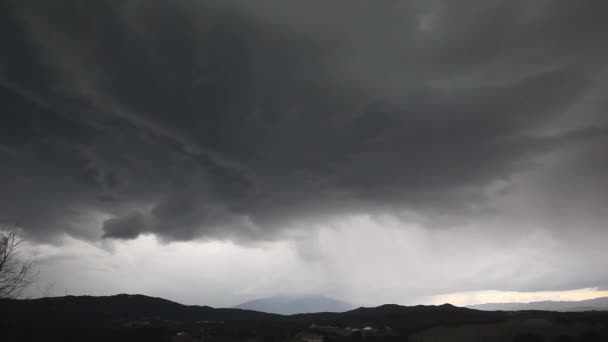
233	120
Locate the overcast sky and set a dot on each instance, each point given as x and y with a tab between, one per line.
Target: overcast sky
215	151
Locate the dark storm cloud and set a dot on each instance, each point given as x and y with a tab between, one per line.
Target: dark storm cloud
233	120
126	227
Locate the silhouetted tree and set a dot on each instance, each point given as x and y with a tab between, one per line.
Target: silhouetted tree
15	275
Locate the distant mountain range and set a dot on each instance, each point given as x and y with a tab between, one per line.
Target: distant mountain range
131	318
289	305
597	304
140	318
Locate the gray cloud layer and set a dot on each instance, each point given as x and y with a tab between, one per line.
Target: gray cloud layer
234	119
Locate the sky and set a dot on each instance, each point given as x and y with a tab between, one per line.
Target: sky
216	151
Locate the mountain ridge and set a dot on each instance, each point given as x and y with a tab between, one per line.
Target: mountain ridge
595	304
296	304
131	318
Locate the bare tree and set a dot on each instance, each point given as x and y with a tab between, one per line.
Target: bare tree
15	275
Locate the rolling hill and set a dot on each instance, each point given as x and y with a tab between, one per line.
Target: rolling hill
289	305
140	318
597	304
